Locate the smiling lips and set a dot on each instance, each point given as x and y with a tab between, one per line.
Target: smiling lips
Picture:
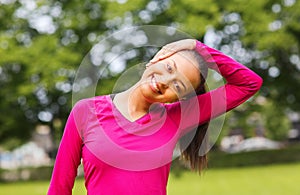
154	85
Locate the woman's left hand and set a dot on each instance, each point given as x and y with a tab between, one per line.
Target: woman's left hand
171	48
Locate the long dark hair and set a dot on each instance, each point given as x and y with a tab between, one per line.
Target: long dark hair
195	153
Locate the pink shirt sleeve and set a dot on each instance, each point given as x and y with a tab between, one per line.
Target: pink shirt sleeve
242	83
67	160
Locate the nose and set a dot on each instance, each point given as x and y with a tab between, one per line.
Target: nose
166	80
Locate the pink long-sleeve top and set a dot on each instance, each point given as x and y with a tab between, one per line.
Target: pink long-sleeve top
134	157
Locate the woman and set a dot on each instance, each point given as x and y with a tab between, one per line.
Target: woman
126	140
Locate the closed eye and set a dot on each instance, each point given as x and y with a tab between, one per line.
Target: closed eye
169	68
177	87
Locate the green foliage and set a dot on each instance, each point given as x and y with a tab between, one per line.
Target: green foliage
275	121
218	159
26	174
193	16
38	65
258	117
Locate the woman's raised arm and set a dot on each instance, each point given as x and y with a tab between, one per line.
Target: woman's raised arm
242	83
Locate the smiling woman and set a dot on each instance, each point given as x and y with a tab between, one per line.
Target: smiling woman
170	79
126	140
173	78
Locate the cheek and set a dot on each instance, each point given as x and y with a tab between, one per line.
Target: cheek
171	96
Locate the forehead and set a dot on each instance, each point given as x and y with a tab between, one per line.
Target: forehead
187	66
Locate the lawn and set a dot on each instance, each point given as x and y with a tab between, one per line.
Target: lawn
266	180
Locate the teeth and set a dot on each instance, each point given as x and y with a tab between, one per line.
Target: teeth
154	84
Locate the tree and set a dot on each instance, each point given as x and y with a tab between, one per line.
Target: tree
43	42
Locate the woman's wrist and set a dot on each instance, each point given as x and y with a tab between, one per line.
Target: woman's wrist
206	53
192	44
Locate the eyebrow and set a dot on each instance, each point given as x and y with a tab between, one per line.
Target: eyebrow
175	66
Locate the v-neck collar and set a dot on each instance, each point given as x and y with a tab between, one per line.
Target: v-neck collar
141	120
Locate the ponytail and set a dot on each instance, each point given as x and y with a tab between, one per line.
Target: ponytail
195	153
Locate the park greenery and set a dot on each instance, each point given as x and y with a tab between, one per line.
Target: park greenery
273	179
42	43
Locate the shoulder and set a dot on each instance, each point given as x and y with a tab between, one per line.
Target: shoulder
89	103
84	108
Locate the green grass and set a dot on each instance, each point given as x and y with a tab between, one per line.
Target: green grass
264	180
267	180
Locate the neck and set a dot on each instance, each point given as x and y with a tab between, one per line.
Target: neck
131	103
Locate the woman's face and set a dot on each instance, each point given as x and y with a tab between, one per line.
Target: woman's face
170	79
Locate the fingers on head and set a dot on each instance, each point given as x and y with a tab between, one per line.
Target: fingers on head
163	53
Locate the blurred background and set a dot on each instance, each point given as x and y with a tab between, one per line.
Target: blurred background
42	43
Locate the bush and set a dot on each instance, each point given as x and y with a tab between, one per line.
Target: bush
218	159
32	173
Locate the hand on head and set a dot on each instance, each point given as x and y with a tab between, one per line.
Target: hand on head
171	48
